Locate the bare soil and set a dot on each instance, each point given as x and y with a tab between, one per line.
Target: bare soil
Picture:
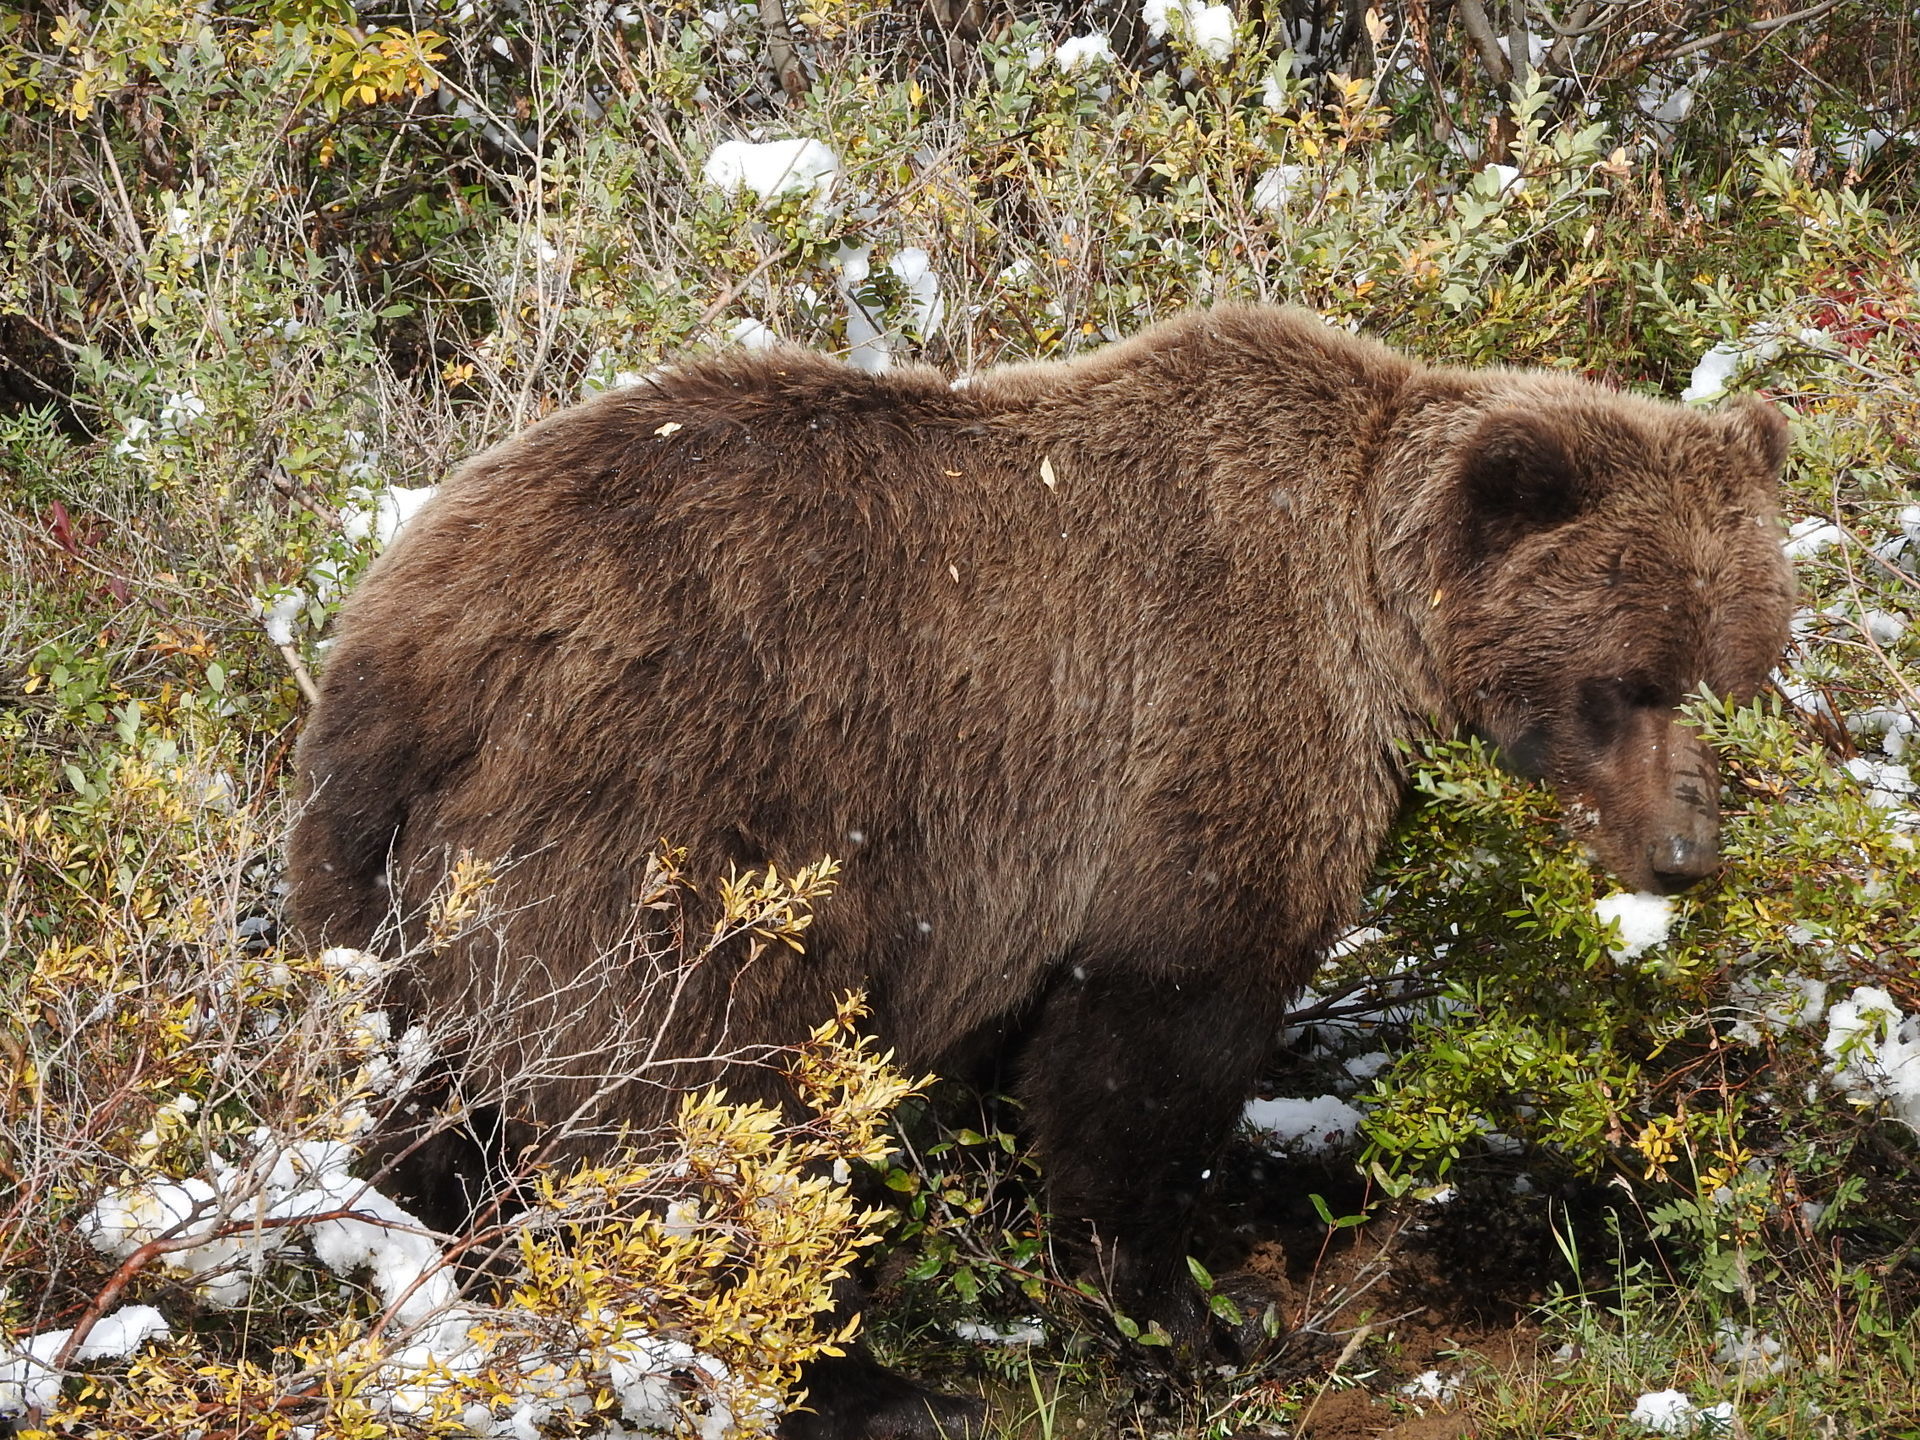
1448	1287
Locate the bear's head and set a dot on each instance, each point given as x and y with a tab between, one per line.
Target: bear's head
1614	556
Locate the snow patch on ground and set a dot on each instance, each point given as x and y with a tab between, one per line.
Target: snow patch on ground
1365	1067
1432	1385
353	1229
1751	1352
1019	1332
1882	627
1643	921
1304	1127
1671	1412
1803	693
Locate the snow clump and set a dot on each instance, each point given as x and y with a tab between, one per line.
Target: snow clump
1807	538
1643	920
1432	1385
1307	1127
1888	785
1671	1412
604	372
1873	1051
1752	1352
753	334
1718	367
1883	628
870	345
1089	52
1207	29
28	1380
772	169
182	408
1020	1332
1890	727
1271	190
373	515
913	267
1774	1004
1506	179
380	515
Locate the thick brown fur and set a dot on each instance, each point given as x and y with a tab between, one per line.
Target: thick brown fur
1093	674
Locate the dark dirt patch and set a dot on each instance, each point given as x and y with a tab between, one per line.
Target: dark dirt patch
1451	1288
1358	1415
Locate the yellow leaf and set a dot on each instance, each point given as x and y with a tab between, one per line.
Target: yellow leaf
1046	472
669	428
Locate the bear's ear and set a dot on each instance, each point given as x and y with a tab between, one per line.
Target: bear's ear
1760	427
1518	470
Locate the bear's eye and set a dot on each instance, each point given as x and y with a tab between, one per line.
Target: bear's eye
1605	702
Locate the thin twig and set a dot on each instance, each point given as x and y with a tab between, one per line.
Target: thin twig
1354	1342
302	676
1752	27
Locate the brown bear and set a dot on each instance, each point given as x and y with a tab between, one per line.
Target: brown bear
1094	674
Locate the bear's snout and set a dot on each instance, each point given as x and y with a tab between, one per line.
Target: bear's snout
1681	861
1686	848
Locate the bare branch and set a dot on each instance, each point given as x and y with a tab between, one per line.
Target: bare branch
1480	32
1752	27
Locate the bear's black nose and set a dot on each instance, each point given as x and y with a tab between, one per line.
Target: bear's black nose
1679	861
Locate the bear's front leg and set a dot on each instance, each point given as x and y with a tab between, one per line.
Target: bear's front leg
1132	1084
853	1397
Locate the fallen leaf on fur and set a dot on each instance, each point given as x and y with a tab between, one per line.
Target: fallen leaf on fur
669	428
1046	472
